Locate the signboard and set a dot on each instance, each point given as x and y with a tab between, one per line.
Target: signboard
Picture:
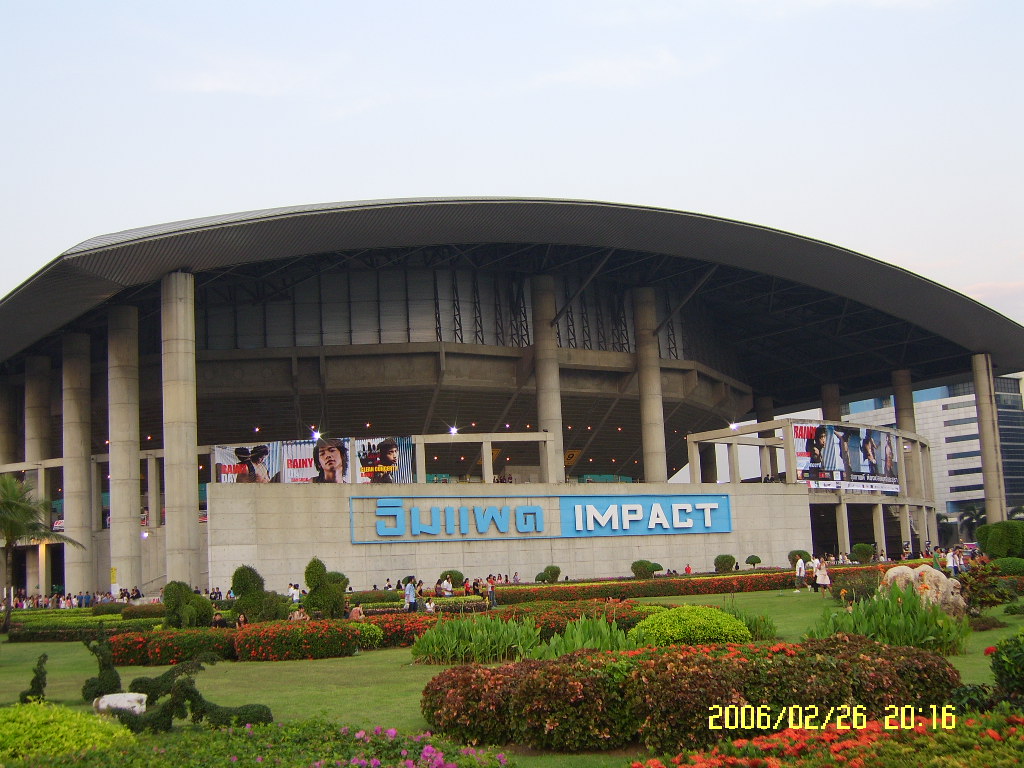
847	457
419	518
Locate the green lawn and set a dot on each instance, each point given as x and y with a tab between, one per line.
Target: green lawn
383	687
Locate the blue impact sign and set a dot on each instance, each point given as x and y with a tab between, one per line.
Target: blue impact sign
584	516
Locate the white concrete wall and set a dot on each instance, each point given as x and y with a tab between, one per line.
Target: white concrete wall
278	528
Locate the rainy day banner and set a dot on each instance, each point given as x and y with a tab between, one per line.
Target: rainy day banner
323	460
849	458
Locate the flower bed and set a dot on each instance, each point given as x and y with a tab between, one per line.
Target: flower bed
401	629
173	645
995	740
279	641
552	617
662	697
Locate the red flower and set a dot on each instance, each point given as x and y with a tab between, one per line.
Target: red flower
990	650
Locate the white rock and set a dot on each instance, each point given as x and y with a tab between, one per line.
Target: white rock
133	702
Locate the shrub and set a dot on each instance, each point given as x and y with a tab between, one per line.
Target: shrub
184	607
724	563
862	552
108	609
644	569
401	629
1002	539
107	679
551	574
1008	667
253	600
326	590
454	576
174	646
144	611
985	623
585	633
36	690
984	586
39	729
553	617
130	649
897	617
1014	610
1010	566
797	554
856	584
972	698
753	561
279	641
481	639
689	624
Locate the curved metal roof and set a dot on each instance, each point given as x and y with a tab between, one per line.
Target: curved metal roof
96	270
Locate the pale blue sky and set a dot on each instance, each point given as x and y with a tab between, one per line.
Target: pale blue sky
891	127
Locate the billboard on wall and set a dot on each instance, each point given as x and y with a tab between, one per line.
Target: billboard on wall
847	457
323	460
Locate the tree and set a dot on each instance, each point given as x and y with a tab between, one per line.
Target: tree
23	520
968	521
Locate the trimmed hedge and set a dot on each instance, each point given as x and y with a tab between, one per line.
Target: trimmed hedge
67	631
692	625
661	697
1010	566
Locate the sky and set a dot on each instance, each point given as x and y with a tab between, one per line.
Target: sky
889	127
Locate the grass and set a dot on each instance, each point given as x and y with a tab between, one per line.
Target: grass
383	687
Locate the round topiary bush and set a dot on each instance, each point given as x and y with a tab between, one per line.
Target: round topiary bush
690	625
752	560
724	563
862	553
644	569
797	554
552	572
45	730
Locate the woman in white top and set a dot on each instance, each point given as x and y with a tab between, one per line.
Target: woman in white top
821	577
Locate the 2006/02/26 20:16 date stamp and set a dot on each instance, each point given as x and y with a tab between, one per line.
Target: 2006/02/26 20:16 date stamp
844	717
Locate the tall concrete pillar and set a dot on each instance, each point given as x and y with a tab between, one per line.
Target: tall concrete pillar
123	430
708	463
79	569
903	393
732	454
8	425
905	526
154	492
545	359
878	525
988	435
37	448
181	472
831	409
648	370
843	526
764	410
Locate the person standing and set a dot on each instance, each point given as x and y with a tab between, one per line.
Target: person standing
410	595
822	578
492	599
801	573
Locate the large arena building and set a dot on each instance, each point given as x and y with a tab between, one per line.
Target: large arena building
488	384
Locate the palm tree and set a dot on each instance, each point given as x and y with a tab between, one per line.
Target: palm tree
969	520
23	520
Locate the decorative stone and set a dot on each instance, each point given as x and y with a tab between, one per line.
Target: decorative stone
133	702
932	585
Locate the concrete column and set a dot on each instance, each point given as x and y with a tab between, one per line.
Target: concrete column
123	431
181	474
37	416
905	534
843	526
922	528
693	460
830	406
903	394
878	524
764	456
988	434
79	568
708	463
486	469
545	359
420	458
789	447
648	370
764	409
732	455
8	425
154	492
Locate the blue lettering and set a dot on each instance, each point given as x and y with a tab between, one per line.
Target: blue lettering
487	515
529	518
391	508
417	526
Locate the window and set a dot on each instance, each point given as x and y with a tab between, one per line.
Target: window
961	438
966	471
965	488
958	422
963	455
